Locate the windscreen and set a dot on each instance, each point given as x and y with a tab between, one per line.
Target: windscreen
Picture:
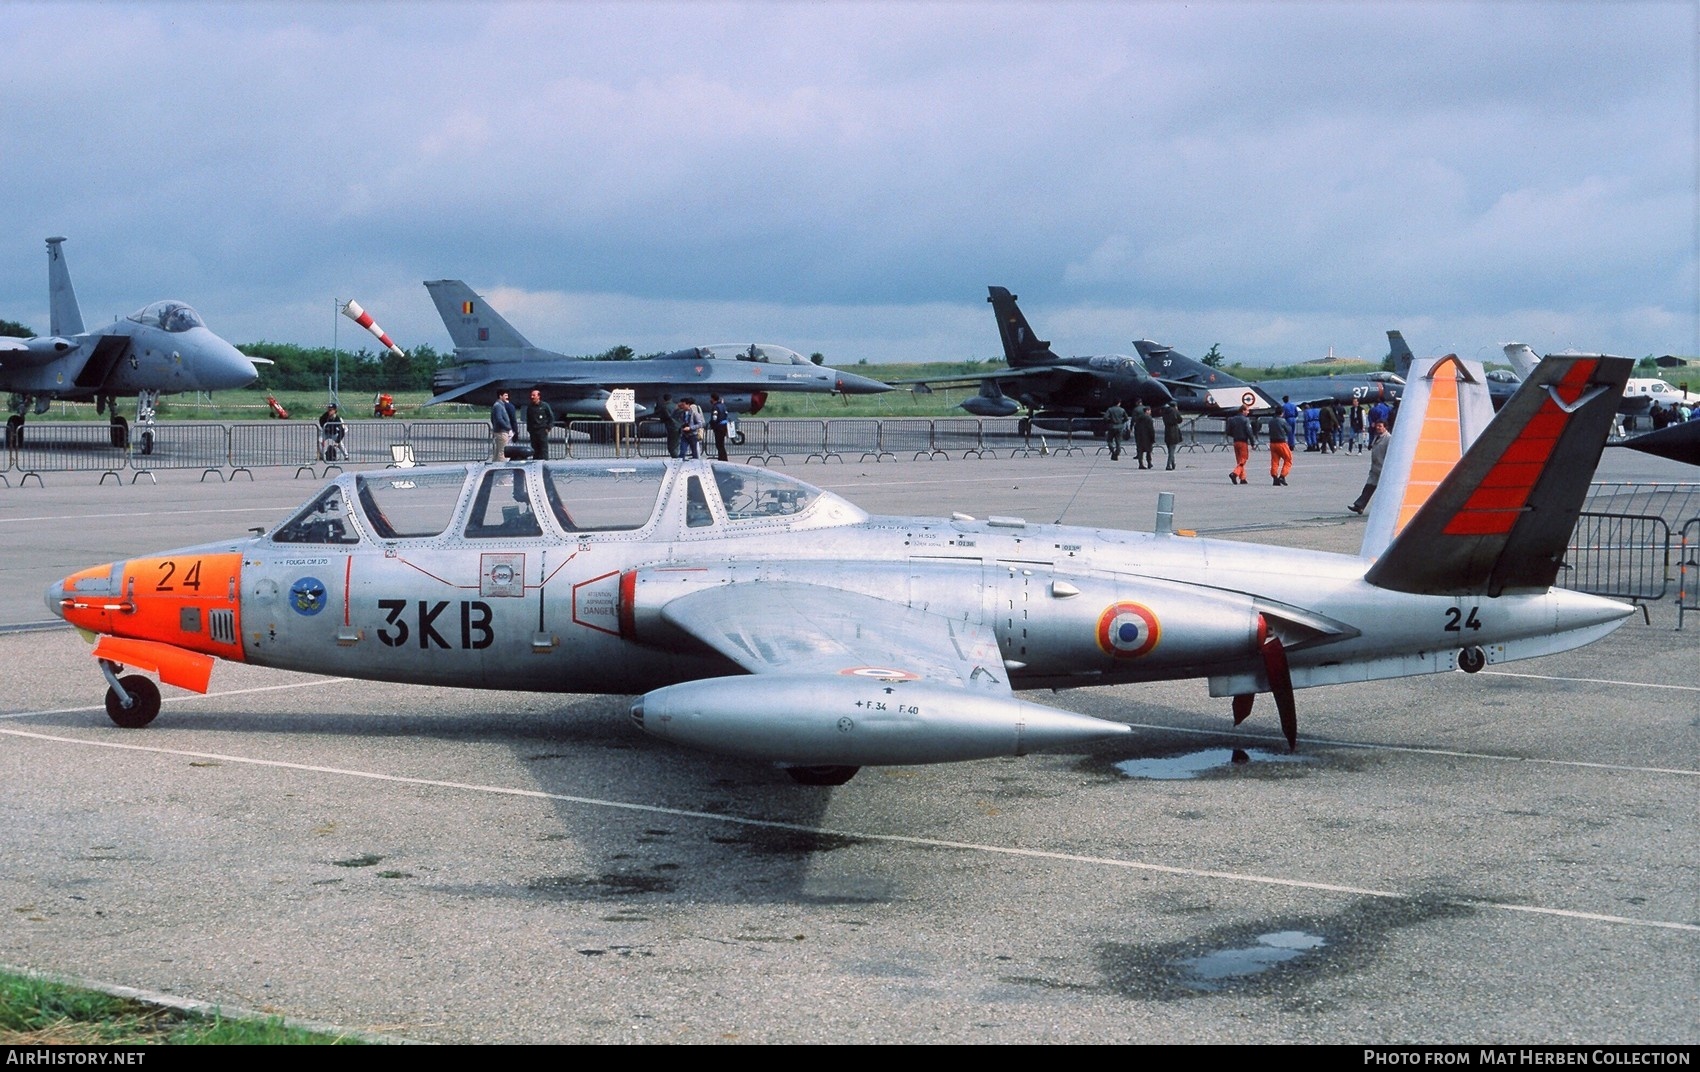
753	493
324	520
409	506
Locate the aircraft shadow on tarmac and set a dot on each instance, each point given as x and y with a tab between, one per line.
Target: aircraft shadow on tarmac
769	847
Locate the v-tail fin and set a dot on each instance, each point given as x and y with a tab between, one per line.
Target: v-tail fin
472	324
63	315
1021	347
1498	516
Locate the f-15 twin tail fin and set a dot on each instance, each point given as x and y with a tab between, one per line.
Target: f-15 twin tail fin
63	314
1471	503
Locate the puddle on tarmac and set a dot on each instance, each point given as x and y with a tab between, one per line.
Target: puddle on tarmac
1210	971
1192	764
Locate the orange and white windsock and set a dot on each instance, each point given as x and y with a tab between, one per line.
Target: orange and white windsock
360	316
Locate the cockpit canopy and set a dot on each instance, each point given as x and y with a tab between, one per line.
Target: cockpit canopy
560	500
172	316
765	353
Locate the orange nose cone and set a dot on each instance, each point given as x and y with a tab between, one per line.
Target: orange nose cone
186	600
88	599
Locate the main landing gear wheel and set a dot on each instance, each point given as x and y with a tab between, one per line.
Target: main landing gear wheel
120	432
14	431
823	775
144	702
737	439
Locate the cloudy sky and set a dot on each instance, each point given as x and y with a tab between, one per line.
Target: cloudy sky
1279	179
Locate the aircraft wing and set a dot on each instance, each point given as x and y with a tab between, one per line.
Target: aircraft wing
804	629
1003	376
842	680
9	343
557	387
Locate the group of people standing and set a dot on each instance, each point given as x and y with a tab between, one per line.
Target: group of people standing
687	424
685	420
1664	416
1369	431
1328	427
1143	427
505	422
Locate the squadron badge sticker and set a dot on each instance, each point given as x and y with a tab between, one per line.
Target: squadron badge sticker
307	596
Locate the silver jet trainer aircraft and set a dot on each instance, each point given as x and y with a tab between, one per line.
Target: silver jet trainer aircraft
490	356
757	616
164	348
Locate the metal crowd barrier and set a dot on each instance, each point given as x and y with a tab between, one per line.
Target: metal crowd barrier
801	439
852	435
1621	556
910	436
1688	570
446	441
59	447
598	440
180	445
965	434
1640	508
1676	502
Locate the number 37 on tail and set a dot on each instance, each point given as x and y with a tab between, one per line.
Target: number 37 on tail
753	615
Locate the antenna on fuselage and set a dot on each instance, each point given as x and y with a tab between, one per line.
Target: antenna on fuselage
1077	489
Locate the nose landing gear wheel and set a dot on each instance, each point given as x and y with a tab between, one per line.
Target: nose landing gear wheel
144	702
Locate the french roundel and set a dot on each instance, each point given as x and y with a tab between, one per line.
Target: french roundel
880	673
1128	630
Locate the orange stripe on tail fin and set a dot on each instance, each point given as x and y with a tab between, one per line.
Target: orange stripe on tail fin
1444	407
1502	518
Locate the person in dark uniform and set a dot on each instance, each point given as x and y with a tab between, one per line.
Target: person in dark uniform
1144	435
539	419
670	419
331	431
1115	426
1171	430
719	420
